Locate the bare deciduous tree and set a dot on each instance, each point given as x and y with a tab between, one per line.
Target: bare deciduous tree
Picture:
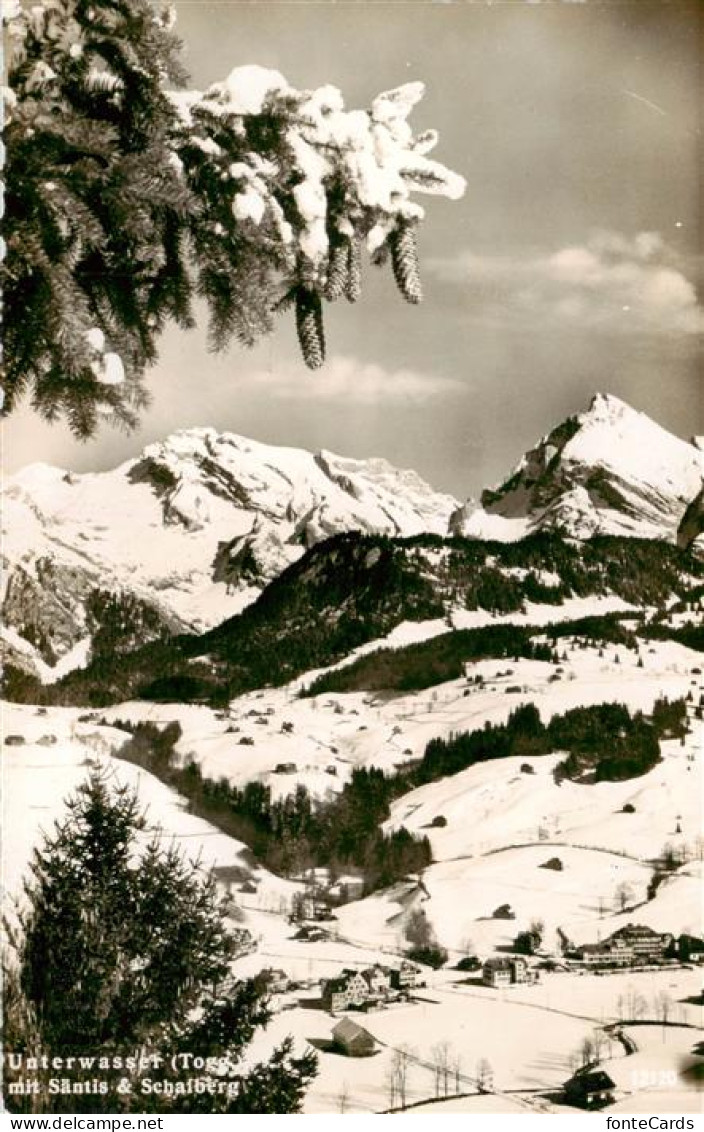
457	1071
440	1056
663	1008
623	896
418	929
636	1004
467	946
390	1081
343	1097
485	1076
400	1067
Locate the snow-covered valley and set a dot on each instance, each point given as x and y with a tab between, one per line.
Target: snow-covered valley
363	657
503	823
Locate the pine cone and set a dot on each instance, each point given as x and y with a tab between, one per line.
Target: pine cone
353	288
309	324
337	272
404	261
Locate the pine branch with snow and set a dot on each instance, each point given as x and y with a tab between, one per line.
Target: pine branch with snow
338	271
127	198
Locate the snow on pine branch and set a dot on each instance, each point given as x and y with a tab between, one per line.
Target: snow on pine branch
251	195
371	157
314	179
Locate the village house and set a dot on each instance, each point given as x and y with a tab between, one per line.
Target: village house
378	980
353	1039
348	989
593	1089
406	976
607	953
503	971
273	980
647	945
629	946
310	933
335	995
346	890
311	908
369	987
690	949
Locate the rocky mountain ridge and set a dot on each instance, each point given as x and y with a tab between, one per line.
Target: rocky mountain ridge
194	529
608	471
186	535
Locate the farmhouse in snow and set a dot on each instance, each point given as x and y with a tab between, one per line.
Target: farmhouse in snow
590	1090
368	987
690	949
502	971
273	980
353	1039
350	988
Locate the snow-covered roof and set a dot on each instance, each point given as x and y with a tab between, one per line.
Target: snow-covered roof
347	1030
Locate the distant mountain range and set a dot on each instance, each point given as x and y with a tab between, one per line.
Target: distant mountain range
193	530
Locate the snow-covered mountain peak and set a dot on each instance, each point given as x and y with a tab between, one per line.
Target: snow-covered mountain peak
191	530
609	470
609	405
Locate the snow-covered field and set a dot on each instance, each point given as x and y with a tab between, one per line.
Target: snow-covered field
495	1031
37	779
655	1078
332	733
529	1037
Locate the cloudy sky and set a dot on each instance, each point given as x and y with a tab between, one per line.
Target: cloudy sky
573	263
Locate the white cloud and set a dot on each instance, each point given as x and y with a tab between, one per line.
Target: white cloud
346	381
623	285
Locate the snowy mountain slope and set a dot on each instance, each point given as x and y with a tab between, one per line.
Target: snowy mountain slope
189	532
327	736
504	826
534	807
481	858
610	470
38	777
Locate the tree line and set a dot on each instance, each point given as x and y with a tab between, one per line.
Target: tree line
290	834
295	832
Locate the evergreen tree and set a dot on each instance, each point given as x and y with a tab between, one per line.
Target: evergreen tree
118	949
127	197
94	206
